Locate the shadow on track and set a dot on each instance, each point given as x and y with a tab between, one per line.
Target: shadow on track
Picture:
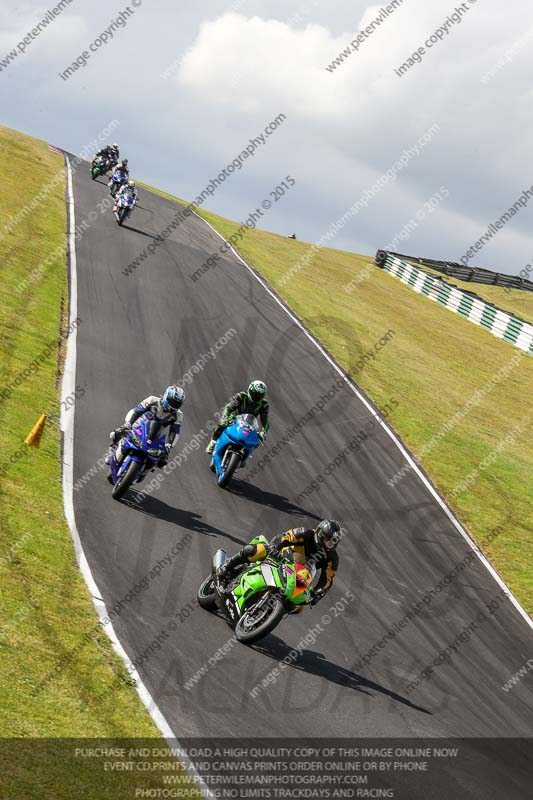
157	508
137	230
276	501
314	663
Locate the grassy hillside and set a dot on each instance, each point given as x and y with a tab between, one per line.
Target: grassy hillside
436	362
45	606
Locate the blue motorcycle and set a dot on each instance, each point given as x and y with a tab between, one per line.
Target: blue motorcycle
118	179
234	446
143	446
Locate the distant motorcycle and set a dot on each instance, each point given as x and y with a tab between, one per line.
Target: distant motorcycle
125	206
118	179
99	167
143	446
234	446
260	595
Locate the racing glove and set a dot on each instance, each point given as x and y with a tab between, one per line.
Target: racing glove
163	459
316	596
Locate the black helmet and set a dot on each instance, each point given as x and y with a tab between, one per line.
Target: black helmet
328	533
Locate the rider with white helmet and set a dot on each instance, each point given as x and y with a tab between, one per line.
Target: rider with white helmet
165	409
130	189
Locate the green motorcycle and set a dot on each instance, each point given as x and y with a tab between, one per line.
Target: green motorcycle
260	595
98	167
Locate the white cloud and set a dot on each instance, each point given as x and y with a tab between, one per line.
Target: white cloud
251	62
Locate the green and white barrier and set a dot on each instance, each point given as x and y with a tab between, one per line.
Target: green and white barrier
500	323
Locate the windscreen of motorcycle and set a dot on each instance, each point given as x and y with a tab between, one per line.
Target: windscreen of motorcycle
268	575
153	429
248	422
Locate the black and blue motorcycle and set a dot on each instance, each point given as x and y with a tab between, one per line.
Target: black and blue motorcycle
143	446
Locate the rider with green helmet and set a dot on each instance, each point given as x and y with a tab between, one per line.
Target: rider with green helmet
252	401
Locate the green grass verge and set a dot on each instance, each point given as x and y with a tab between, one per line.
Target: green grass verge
45	607
433	365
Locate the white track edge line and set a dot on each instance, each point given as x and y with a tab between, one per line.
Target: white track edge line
414	466
67	428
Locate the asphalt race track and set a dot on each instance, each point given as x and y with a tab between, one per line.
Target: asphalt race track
141	331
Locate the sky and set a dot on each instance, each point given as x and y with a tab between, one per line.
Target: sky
188	85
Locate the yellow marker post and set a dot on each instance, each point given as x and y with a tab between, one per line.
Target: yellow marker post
34	436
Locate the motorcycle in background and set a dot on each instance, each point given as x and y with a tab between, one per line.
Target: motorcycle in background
118	179
98	167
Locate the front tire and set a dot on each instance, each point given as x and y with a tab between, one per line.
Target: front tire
127	479
248	633
206	595
233	462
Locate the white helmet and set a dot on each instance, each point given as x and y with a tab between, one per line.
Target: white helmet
257	389
173	398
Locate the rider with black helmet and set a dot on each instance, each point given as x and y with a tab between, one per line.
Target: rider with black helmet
317	544
251	401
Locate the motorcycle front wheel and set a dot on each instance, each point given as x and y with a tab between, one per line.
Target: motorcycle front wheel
257	623
227	474
206	594
126	480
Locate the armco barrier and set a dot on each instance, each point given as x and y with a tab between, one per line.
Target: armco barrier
473	274
500	323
